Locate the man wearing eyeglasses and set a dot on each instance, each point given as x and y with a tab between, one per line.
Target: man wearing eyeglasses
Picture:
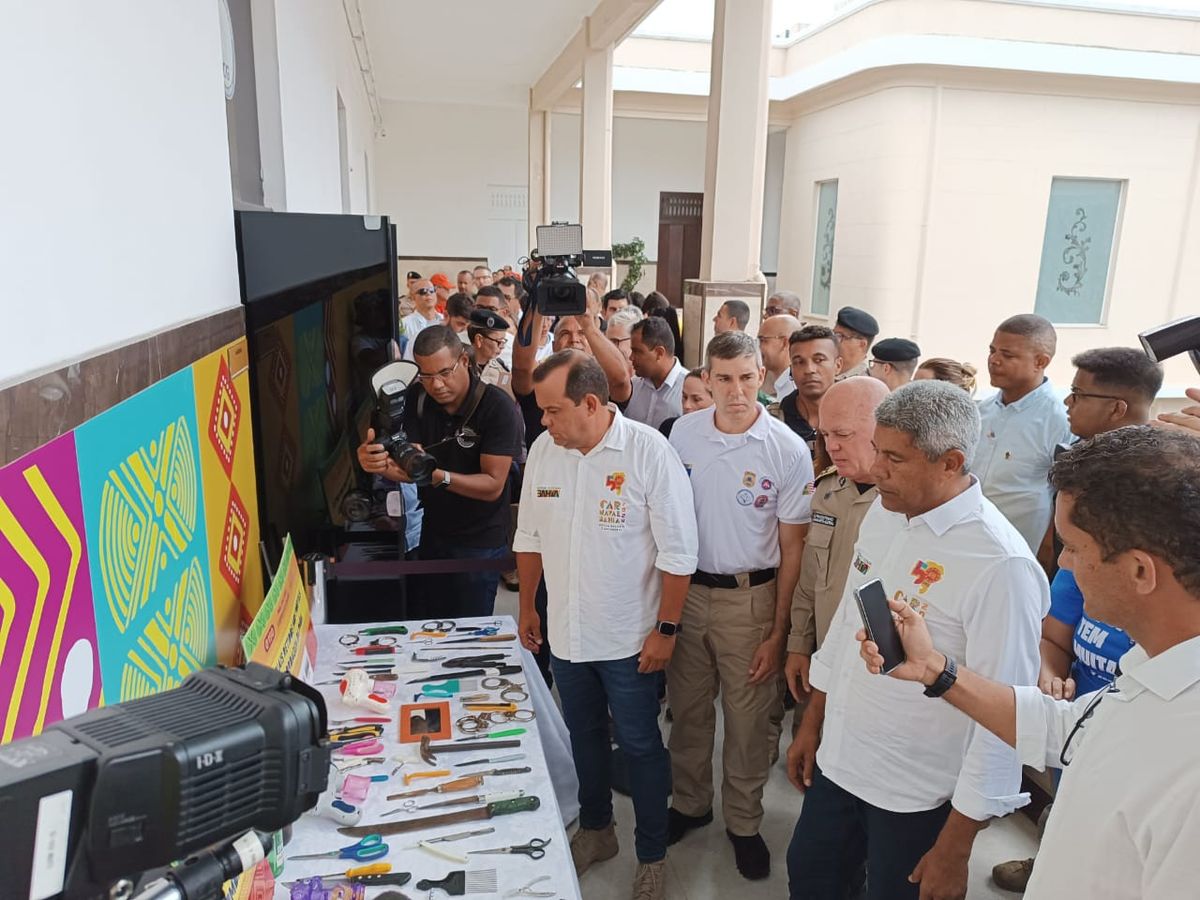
1125	820
425	298
1114	387
489	336
782	303
773	334
474	431
856	331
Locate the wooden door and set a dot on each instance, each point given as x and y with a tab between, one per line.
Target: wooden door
679	218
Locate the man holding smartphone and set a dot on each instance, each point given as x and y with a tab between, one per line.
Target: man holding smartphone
888	777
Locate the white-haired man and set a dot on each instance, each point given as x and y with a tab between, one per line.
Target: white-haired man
891	779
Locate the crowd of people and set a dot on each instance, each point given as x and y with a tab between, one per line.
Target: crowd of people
705	531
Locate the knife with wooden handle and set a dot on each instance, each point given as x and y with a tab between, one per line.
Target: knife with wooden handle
491	810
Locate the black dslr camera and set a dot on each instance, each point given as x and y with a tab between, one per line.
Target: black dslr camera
1173	338
389	384
550	280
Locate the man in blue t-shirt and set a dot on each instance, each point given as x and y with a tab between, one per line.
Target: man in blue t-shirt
1114	387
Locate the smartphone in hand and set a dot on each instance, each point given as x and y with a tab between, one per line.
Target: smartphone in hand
877	620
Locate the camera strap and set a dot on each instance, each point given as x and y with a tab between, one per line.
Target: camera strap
473	399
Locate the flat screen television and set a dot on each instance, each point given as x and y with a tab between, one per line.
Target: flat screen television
320	295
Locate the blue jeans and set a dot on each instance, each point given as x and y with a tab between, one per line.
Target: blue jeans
837	833
589	690
456	594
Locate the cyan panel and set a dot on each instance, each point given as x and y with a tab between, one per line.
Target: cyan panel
823	252
1077	250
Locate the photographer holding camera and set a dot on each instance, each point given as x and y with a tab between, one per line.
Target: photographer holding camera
464	435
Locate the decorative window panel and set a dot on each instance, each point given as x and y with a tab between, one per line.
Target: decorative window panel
1077	250
823	246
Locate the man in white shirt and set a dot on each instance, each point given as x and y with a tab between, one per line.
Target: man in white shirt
1126	817
424	296
1021	427
606	513
658	384
898	782
752	481
734	315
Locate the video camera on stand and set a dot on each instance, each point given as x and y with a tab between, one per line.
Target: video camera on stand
96	801
549	280
1180	336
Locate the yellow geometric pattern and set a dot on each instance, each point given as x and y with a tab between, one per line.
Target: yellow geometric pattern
148	511
174	643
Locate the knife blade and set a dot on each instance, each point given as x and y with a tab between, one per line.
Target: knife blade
501	808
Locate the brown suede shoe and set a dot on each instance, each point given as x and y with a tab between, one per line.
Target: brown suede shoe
592	845
1013	875
650	881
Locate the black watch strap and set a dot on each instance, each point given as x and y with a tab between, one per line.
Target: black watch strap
668	629
944	681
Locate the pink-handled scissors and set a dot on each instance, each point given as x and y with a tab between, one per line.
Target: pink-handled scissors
369	747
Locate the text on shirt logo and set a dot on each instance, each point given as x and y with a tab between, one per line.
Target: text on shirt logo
917	606
612	515
823	519
927	574
547	492
614	482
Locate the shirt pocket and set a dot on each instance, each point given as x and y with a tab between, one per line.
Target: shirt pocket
820	539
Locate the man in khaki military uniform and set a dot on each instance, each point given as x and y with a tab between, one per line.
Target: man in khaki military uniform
842	494
488	332
856	331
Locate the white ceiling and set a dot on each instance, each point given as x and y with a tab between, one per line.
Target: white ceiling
466	51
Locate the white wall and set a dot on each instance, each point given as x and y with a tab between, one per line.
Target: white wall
317	62
435	170
942	200
116	219
649	156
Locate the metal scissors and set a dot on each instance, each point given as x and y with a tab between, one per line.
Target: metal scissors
528	891
408	806
354	638
533	849
440	625
510	691
370	847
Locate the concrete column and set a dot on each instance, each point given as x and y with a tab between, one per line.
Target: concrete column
539	172
595	149
736	150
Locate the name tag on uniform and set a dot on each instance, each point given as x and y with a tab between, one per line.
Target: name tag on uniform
544	493
823	519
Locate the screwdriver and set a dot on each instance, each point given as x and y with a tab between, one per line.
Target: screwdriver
358	872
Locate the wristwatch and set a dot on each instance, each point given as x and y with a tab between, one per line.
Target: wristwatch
945	681
668	629
445	482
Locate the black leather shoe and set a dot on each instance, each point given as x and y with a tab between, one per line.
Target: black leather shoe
678	824
751	855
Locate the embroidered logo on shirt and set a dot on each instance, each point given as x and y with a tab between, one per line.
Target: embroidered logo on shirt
547	492
761	500
861	563
748	479
927	574
823	519
744	497
810	488
918	606
615	482
612	515
767	484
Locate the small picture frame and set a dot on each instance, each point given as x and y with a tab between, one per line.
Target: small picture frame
418	720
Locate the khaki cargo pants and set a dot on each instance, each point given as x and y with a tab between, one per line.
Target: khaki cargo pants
722	629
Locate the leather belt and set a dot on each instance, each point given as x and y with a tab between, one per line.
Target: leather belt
730	582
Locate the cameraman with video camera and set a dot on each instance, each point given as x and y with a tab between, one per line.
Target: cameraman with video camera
463	436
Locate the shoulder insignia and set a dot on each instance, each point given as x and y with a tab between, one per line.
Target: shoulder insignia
832	470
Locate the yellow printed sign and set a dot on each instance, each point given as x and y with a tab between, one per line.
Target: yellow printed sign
281	634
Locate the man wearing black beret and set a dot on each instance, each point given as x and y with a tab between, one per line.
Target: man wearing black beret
488	333
894	361
855	332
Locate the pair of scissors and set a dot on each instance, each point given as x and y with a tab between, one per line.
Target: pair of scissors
533	849
439	625
370	847
510	691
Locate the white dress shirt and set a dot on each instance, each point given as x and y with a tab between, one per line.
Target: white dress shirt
606	525
652	405
784	384
412	325
1126	817
1016	450
744	485
968	572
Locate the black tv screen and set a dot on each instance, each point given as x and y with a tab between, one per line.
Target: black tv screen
320	297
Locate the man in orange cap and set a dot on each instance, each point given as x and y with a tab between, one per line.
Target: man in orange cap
445	287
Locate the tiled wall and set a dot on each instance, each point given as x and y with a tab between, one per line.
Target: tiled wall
36	411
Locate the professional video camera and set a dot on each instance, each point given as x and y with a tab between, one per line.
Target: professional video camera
549	279
1181	336
389	384
95	801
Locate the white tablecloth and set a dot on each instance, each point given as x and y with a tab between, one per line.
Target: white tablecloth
547	751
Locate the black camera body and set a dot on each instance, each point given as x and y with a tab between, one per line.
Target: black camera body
1180	336
391	383
550	278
